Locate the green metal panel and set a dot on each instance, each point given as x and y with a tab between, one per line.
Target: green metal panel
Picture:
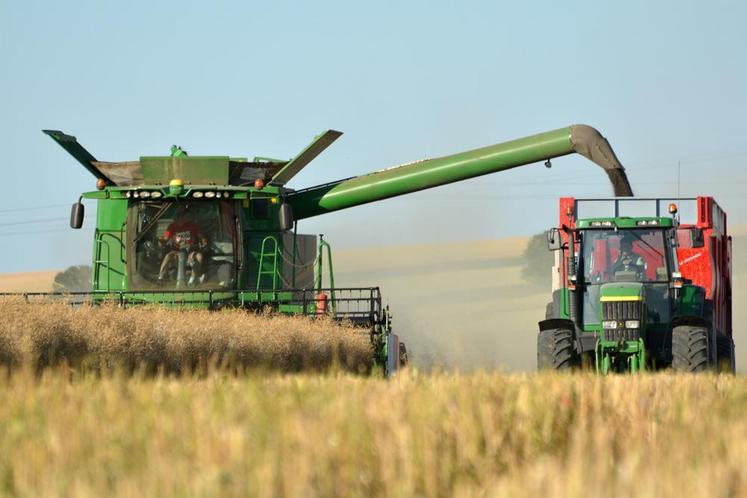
205	170
429	173
307	155
625	222
111	214
109	272
622	291
71	145
691	301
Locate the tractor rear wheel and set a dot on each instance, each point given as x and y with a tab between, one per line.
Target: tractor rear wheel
555	349
690	348
725	358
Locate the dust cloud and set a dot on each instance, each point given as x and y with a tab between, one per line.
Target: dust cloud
458	306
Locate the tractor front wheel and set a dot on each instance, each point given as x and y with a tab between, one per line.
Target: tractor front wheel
555	349
691	348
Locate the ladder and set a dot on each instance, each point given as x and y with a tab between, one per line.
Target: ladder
272	256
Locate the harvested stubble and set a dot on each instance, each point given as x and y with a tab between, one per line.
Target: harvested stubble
156	339
545	435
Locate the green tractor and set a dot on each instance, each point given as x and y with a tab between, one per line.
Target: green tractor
636	288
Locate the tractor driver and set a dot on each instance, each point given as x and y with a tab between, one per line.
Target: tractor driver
627	260
183	235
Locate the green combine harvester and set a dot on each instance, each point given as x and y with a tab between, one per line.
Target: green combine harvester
217	231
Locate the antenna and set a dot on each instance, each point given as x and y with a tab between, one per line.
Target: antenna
678	179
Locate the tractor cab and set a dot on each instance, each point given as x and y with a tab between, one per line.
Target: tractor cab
629	261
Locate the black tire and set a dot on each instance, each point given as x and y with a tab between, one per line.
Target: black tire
725	357
555	349
403	358
690	348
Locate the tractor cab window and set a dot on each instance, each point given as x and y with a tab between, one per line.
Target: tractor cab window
183	245
638	255
632	255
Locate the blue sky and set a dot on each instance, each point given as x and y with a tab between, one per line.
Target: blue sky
665	82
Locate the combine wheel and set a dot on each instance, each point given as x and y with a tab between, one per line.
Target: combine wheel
690	348
555	349
725	357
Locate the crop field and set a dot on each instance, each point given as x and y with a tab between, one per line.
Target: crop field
481	434
154	402
108	338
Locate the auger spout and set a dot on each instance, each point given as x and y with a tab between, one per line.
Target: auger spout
429	173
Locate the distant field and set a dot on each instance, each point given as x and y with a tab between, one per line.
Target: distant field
321	436
37	281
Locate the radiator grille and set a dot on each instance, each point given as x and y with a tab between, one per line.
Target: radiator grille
621	311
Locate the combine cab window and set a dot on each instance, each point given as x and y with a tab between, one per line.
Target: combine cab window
182	245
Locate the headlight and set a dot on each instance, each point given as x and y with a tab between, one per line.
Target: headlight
197	195
209	195
144	195
128	194
632	324
609	324
155	195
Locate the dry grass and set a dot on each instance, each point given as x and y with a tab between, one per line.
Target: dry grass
178	341
497	435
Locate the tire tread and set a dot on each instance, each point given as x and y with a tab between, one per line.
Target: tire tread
690	348
555	349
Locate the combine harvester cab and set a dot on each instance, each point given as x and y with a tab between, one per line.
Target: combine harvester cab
639	284
216	231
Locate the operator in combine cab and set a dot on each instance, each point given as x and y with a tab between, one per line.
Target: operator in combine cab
183	235
627	260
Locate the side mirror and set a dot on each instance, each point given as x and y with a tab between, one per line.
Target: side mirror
285	216
553	239
696	235
76	215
